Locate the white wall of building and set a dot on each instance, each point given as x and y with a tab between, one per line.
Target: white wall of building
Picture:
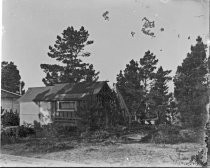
10	103
30	111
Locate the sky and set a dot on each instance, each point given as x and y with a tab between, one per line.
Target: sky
30	26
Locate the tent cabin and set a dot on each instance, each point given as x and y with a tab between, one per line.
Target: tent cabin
62	102
9	101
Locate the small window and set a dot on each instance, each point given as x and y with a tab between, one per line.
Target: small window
66	105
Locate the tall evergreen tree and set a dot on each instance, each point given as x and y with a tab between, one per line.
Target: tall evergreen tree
160	87
128	83
10	78
135	82
191	86
148	66
121	81
147	74
159	94
69	51
142	87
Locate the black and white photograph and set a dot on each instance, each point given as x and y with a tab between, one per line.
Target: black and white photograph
105	83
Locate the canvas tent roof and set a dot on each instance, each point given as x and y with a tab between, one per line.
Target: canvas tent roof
65	91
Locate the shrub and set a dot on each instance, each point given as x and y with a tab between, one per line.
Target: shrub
9	134
100	134
135	125
25	130
47	145
53	130
174	134
10	118
166	137
168	134
188	135
192	135
7	138
147	138
169	129
199	158
57	129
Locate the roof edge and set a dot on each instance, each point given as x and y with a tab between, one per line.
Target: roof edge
11	92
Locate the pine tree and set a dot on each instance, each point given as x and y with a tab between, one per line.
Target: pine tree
128	83
142	88
148	66
69	51
133	85
159	94
10	78
191	86
121	80
147	75
160	87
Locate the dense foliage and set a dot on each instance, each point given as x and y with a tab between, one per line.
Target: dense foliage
68	50
191	86
10	77
143	88
9	118
101	117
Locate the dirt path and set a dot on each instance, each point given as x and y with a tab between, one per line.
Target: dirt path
115	155
20	161
125	155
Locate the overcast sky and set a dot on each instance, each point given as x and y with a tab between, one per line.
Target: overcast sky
30	26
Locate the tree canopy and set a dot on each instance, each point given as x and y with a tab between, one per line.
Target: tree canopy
68	50
160	88
128	82
191	86
159	97
141	86
10	78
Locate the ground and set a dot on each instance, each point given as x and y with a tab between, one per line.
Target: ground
129	155
104	154
20	161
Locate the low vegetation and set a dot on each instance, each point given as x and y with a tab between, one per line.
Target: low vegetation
9	118
53	139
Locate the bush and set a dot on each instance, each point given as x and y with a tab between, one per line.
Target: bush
62	130
47	145
168	134
199	158
10	118
100	134
147	138
173	134
13	134
25	130
167	138
135	125
53	130
143	128
169	129
7	138
196	135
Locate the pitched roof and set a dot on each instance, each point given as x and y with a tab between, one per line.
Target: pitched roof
8	94
64	91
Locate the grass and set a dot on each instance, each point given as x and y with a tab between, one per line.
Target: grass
37	146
